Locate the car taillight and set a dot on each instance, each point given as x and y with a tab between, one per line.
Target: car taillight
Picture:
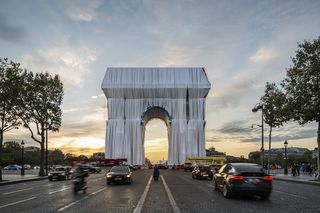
267	178
237	178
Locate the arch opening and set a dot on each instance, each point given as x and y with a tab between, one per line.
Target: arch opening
156	113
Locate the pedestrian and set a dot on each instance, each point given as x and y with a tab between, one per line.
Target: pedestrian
293	170
156	173
298	169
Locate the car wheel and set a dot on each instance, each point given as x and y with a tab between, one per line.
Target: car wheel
108	183
265	196
192	176
215	186
226	191
50	179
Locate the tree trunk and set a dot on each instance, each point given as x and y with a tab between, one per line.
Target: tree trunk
318	158
42	154
269	152
1	142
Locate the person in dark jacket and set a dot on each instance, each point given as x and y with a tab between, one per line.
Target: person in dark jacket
156	172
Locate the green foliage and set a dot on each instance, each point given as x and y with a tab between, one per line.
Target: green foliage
56	157
274	105
11	81
302	83
42	98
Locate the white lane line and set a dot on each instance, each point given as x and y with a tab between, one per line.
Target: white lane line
20	201
293	195
60	190
71	204
143	197
21	190
100	190
171	199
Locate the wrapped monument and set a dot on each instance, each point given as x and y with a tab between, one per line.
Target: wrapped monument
137	95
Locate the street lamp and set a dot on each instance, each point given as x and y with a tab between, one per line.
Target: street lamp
22	158
286	157
256	109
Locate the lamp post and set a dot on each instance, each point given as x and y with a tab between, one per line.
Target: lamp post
22	157
255	109
286	157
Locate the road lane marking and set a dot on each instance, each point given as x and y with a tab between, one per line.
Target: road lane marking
21	190
171	199
73	203
143	197
20	201
60	190
100	190
293	195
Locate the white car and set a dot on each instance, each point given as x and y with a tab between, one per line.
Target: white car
12	167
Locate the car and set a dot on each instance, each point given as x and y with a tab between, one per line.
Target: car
61	173
188	167
119	174
12	167
132	168
202	172
243	178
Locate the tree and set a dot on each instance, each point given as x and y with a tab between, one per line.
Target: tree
42	97
11	81
302	85
11	153
56	157
274	110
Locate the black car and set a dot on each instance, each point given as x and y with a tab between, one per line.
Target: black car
188	167
160	166
90	168
61	173
119	174
243	178
202	172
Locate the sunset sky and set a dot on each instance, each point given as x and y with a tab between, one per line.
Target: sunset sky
241	44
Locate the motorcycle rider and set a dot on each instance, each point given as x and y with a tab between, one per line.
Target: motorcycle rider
80	182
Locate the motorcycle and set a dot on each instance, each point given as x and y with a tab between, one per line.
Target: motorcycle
79	185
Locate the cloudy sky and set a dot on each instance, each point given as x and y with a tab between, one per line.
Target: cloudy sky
242	44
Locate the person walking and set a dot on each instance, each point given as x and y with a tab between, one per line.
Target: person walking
298	169
293	170
156	173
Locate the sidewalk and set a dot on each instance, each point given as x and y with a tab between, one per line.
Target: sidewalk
305	179
14	178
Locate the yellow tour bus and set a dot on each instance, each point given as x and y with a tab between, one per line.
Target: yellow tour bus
212	160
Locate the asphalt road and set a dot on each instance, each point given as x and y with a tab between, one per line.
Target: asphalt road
175	192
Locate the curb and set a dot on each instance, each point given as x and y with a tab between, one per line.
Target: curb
309	182
4	182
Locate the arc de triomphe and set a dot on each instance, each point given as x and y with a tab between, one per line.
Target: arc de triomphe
137	95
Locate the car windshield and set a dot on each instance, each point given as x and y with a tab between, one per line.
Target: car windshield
119	169
204	169
249	168
60	169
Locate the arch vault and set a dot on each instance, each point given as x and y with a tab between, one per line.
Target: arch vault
137	95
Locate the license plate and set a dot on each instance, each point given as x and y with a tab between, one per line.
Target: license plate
205	175
118	179
253	180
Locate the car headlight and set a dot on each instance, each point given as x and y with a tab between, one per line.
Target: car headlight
108	176
128	176
49	174
62	173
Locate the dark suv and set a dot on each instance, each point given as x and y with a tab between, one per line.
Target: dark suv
202	172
